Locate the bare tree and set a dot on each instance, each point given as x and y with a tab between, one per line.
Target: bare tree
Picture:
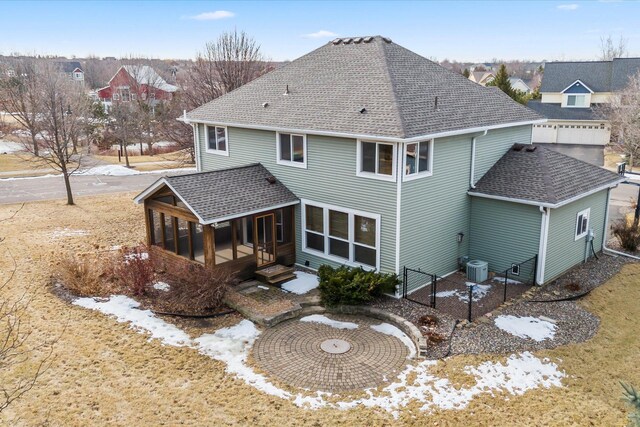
63	112
20	94
610	50
231	61
22	363
174	130
123	126
624	113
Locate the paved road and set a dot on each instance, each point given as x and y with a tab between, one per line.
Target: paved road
49	188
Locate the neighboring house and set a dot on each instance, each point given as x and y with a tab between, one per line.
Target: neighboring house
573	94
73	69
132	82
481	77
519	84
364	153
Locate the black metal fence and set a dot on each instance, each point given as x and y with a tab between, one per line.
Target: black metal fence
463	299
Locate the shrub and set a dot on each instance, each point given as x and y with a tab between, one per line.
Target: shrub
195	288
134	269
83	277
632	396
628	233
353	286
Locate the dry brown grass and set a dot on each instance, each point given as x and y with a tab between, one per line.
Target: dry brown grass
107	374
22	165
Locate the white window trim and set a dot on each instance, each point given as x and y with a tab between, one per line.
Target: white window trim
279	161
587	213
411	177
325	220
372	175
224	152
586	103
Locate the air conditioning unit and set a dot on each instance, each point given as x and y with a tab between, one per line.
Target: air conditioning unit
477	271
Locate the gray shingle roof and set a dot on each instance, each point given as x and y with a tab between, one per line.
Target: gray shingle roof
542	176
330	85
555	111
229	193
68	66
600	76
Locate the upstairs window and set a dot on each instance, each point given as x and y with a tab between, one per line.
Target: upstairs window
417	159
125	94
376	159
292	150
217	140
582	223
576	100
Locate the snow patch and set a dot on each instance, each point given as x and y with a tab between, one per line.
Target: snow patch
162	286
132	256
10	147
509	281
125	309
388	329
303	283
67	232
479	292
109	170
526	327
319	318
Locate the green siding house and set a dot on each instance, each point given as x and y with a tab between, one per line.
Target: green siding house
391	163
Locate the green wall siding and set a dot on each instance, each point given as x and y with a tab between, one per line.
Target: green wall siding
330	178
563	251
436	208
491	147
503	233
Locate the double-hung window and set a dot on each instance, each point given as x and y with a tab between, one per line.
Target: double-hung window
292	149
217	140
582	223
418	159
376	159
341	235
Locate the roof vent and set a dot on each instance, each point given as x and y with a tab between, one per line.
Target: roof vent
265	104
336	41
286	90
363	110
386	39
271	179
531	148
435	104
518	147
367	39
357	40
347	41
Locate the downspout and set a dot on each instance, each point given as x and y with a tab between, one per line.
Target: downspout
399	177
196	137
606	228
472	181
542	248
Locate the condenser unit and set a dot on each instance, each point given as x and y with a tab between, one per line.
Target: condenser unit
477	271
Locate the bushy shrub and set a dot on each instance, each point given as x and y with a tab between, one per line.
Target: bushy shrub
83	276
134	269
628	233
632	396
352	286
195	288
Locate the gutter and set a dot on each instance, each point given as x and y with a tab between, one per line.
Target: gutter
606	228
472	181
364	136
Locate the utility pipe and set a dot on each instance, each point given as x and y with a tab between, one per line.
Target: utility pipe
472	181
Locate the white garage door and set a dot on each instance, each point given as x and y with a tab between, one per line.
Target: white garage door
583	134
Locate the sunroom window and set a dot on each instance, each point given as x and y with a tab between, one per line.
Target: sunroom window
217	139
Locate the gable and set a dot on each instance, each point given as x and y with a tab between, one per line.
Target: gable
577	87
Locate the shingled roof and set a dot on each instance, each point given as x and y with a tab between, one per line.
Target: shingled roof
555	111
599	76
536	175
364	86
227	193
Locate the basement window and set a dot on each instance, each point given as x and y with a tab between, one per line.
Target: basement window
582	223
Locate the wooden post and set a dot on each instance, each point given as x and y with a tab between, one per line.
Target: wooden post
209	246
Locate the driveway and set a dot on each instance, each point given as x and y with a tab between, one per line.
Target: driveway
48	188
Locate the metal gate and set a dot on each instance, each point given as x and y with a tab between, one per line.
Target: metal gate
418	286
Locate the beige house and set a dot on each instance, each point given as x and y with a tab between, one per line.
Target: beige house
481	77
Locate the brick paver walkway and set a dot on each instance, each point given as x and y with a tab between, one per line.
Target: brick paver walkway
291	352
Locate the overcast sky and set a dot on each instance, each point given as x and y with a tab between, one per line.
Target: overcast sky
462	31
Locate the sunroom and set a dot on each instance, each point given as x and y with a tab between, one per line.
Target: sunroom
239	219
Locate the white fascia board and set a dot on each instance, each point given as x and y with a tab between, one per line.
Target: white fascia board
375	138
547	205
240	215
577	81
150	189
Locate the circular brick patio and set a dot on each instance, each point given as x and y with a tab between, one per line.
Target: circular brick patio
291	351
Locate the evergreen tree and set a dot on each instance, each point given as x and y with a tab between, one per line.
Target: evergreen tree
501	80
466	73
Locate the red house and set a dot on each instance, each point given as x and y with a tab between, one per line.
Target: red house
133	82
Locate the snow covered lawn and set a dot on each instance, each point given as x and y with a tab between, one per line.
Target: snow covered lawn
10	147
417	383
303	283
526	327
